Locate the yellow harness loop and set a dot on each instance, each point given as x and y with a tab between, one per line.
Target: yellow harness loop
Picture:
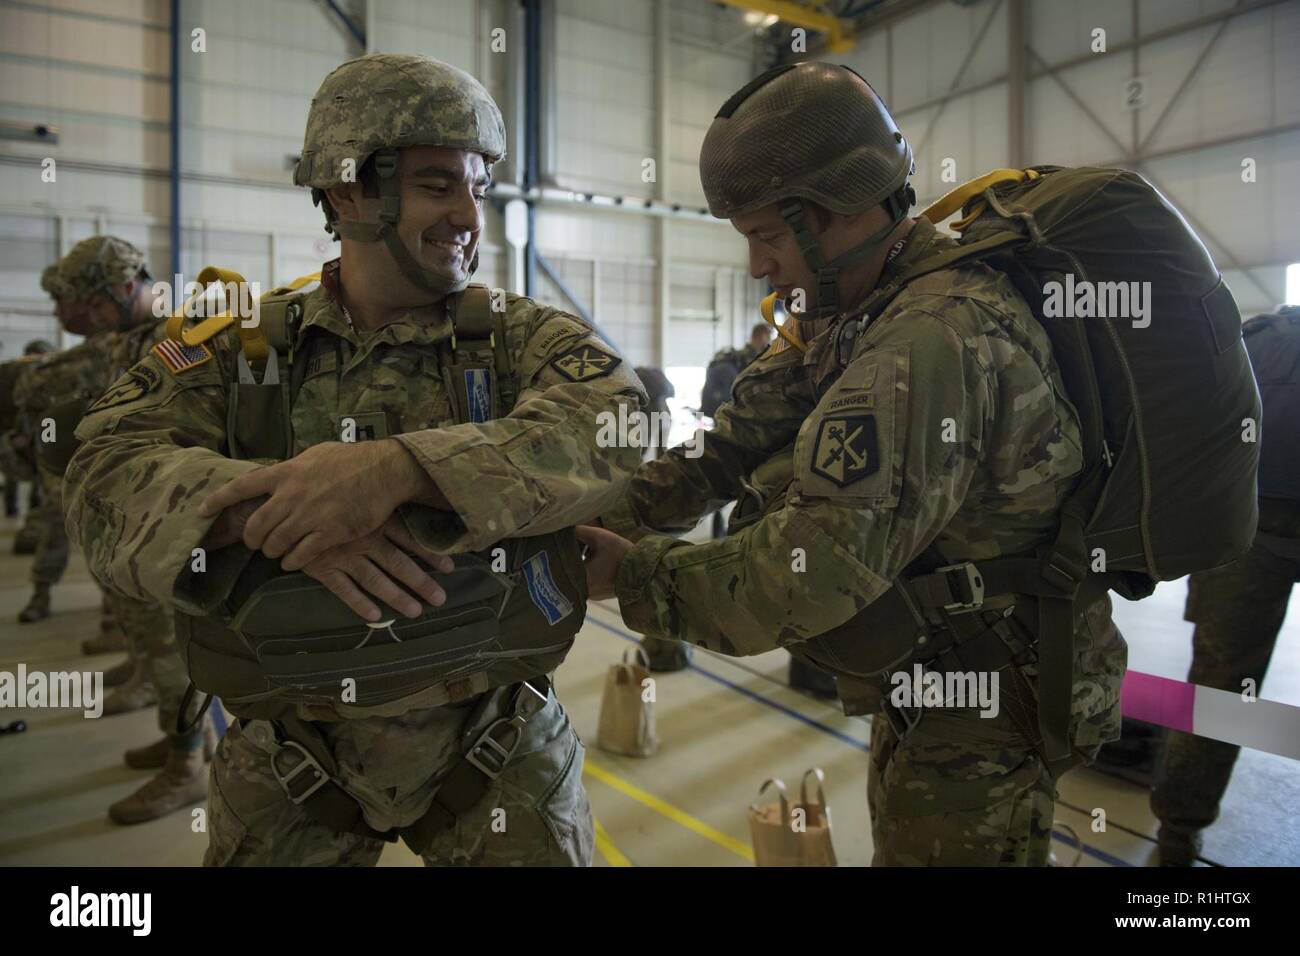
791	339
948	204
252	339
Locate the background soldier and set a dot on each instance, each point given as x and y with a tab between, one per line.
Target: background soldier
109	279
1238	608
374	348
821	196
658	389
19	468
61	376
727	363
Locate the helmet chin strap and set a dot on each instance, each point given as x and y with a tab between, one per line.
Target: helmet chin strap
125	314
828	273
385	230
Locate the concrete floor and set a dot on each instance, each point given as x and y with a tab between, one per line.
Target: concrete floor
725	725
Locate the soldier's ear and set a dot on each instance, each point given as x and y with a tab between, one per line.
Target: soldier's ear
345	199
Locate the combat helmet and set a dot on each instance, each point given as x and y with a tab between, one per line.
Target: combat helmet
101	264
52	284
813	132
372	107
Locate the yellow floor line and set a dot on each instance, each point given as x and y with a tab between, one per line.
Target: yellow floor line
668	810
607	849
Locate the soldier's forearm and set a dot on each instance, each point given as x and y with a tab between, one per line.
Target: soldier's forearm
132	504
778	582
499	479
411	483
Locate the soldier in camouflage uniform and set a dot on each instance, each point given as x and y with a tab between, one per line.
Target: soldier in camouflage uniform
1238	608
108	276
16	467
874	482
59	377
159	444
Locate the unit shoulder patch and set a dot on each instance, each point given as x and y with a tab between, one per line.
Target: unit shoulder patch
135	384
179	357
584	362
847	449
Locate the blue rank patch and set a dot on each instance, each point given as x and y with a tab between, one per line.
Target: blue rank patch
546	594
478	394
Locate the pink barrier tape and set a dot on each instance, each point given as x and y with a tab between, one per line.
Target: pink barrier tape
1266	725
1159	700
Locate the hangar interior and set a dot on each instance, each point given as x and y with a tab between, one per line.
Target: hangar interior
175	123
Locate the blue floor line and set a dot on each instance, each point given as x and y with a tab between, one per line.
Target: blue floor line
628	636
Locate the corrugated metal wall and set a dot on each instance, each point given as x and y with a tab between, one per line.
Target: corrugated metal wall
1078	114
98	70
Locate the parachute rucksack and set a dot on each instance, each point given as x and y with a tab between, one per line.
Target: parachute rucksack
1167	403
282	640
718	379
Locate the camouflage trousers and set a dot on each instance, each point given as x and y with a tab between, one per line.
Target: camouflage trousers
959	789
52	546
13	485
1238	611
535	814
151	641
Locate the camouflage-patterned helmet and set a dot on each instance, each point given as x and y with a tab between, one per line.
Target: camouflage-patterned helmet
52	283
812	131
99	264
38	347
389	100
376	105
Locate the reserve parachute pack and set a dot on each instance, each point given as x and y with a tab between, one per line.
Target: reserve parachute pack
1169	415
282	640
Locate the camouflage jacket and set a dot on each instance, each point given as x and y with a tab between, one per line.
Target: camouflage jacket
64	385
78	373
948	426
156	443
17	459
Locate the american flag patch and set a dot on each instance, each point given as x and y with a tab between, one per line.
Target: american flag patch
179	357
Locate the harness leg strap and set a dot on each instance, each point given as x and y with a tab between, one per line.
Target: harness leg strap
305	770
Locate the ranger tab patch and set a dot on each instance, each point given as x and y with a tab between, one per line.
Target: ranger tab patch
179	357
584	362
847	449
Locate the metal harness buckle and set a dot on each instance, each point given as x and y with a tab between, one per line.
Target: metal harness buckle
286	780
498	743
965	584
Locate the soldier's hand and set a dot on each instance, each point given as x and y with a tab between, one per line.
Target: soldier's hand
378	565
604	554
331	494
229	526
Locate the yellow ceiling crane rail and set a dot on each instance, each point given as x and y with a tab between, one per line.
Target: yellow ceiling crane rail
801	15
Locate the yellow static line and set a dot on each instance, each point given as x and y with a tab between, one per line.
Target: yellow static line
607	849
668	810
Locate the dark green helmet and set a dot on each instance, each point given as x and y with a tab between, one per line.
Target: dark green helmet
812	132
